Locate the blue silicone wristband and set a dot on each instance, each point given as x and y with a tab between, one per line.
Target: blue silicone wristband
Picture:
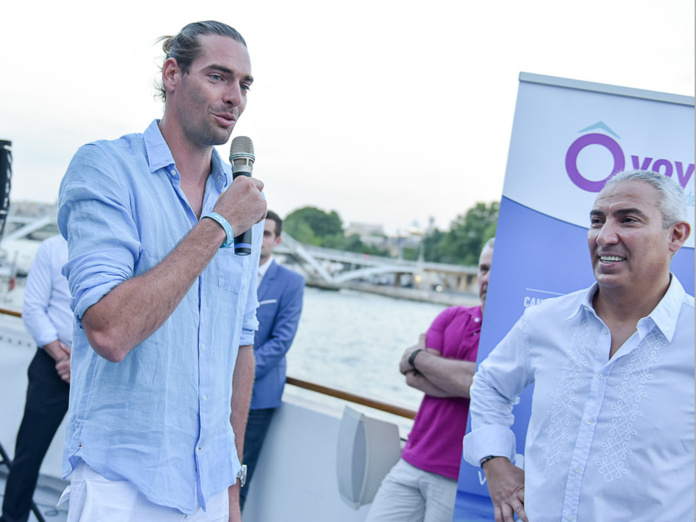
225	225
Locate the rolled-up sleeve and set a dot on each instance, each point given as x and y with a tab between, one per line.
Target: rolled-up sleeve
497	385
95	218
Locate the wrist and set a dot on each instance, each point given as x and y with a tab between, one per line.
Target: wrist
412	357
487	459
225	225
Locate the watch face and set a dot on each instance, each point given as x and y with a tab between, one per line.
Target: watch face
242	476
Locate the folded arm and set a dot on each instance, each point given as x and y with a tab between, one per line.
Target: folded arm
436	375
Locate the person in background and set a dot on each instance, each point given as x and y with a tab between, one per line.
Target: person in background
280	293
422	486
611	432
162	361
49	320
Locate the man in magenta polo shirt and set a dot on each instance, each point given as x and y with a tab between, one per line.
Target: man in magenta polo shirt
422	486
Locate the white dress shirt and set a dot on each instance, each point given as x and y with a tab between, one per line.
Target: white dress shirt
46	313
608	440
262	271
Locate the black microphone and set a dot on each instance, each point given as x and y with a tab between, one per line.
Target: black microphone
242	161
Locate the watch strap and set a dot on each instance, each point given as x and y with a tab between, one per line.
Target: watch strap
486	459
412	357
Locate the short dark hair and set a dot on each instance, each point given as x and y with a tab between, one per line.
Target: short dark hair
279	222
185	47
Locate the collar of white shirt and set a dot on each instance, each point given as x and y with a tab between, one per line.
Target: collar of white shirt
664	315
263	269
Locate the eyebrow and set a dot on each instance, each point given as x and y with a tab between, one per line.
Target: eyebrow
621	212
630	211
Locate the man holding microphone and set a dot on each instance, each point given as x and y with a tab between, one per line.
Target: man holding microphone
165	310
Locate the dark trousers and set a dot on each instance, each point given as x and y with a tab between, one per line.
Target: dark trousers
47	402
257	427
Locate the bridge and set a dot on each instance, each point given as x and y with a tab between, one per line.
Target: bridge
337	268
322	267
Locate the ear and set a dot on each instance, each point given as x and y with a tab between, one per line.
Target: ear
679	233
171	73
277	240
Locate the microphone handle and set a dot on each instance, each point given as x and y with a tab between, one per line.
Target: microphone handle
242	242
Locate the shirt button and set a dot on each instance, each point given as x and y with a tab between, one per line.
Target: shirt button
605	331
569	518
577	469
205	397
600	376
202	346
477	320
589	421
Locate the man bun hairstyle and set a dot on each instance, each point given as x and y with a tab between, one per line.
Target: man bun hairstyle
185	47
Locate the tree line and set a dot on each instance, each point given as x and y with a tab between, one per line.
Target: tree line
459	245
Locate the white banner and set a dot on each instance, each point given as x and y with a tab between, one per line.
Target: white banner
568	137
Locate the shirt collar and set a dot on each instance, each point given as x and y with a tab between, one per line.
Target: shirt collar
664	315
159	156
586	302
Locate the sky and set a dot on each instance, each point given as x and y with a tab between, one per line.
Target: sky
388	112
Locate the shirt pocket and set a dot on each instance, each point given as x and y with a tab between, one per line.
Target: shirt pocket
231	270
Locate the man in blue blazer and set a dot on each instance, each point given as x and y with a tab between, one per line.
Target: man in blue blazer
280	292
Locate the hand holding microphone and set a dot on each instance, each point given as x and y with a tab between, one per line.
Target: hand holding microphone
242	203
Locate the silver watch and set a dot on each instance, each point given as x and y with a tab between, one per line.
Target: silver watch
241	476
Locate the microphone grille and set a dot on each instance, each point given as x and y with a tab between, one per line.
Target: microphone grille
242	145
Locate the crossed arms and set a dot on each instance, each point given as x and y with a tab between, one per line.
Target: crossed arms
436	375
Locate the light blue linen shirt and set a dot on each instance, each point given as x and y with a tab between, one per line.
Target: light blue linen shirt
46	310
607	439
160	418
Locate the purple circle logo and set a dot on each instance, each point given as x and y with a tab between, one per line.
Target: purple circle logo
585	141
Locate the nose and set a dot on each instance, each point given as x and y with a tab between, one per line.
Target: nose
607	235
233	95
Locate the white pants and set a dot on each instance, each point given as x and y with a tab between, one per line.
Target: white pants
408	494
94	498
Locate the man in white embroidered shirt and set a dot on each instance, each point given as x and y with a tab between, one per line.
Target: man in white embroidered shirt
611	432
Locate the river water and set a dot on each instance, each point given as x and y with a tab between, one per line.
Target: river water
353	341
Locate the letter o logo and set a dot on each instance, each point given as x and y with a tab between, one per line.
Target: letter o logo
572	159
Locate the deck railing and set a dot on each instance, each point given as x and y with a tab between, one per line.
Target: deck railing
351	397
